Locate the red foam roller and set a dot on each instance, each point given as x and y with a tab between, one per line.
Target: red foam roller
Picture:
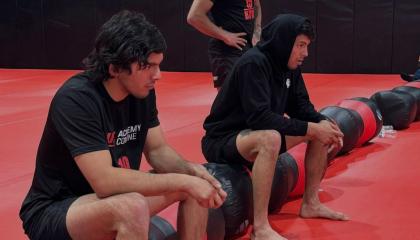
368	117
413	84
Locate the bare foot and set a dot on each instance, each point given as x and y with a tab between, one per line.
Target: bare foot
266	234
321	211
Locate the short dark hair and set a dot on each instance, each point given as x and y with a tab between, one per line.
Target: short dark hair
125	38
307	29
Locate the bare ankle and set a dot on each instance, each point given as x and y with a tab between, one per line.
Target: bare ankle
261	227
265	233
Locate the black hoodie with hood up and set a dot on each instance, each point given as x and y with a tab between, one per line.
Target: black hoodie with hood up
261	89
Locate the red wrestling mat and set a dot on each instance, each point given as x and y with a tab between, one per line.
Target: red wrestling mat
376	185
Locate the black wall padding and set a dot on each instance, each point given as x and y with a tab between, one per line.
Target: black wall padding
147	7
335	36
30	34
8	51
406	35
373	21
69	32
195	44
376	36
104	11
170	19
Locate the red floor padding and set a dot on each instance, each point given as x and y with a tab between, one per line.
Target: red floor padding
377	185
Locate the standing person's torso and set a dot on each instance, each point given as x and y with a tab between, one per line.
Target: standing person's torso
234	16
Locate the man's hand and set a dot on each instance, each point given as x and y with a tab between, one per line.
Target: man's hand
200	171
235	40
326	132
335	145
205	194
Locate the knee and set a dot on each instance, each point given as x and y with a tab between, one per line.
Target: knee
269	141
136	203
315	143
130	207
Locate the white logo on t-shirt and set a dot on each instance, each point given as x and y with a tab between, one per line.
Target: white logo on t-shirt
288	82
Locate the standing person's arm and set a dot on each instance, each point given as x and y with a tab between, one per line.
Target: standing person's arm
197	17
257	26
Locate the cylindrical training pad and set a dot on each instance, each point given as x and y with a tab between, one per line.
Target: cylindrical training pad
237	208
415	92
160	229
284	181
398	108
370	114
349	122
298	154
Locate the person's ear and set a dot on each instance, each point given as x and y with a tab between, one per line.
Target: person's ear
113	70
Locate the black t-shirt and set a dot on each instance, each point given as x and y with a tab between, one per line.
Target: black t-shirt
83	118
234	16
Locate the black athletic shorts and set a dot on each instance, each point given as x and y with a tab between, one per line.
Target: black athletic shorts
224	150
222	58
51	223
220	68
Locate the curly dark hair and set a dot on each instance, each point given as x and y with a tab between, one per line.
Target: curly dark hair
307	29
125	38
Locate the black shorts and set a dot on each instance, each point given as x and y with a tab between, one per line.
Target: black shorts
51	223
220	68
224	150
222	58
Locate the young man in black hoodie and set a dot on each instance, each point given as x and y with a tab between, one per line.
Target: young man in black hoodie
248	123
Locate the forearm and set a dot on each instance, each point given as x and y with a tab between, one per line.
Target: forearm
263	120
166	160
258	17
310	115
203	24
120	180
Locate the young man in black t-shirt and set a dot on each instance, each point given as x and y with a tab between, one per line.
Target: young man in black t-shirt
247	122
235	28
87	183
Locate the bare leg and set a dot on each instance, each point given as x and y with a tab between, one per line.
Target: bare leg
127	216
124	216
315	165
192	218
262	148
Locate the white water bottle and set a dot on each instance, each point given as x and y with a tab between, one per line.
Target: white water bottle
387	131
